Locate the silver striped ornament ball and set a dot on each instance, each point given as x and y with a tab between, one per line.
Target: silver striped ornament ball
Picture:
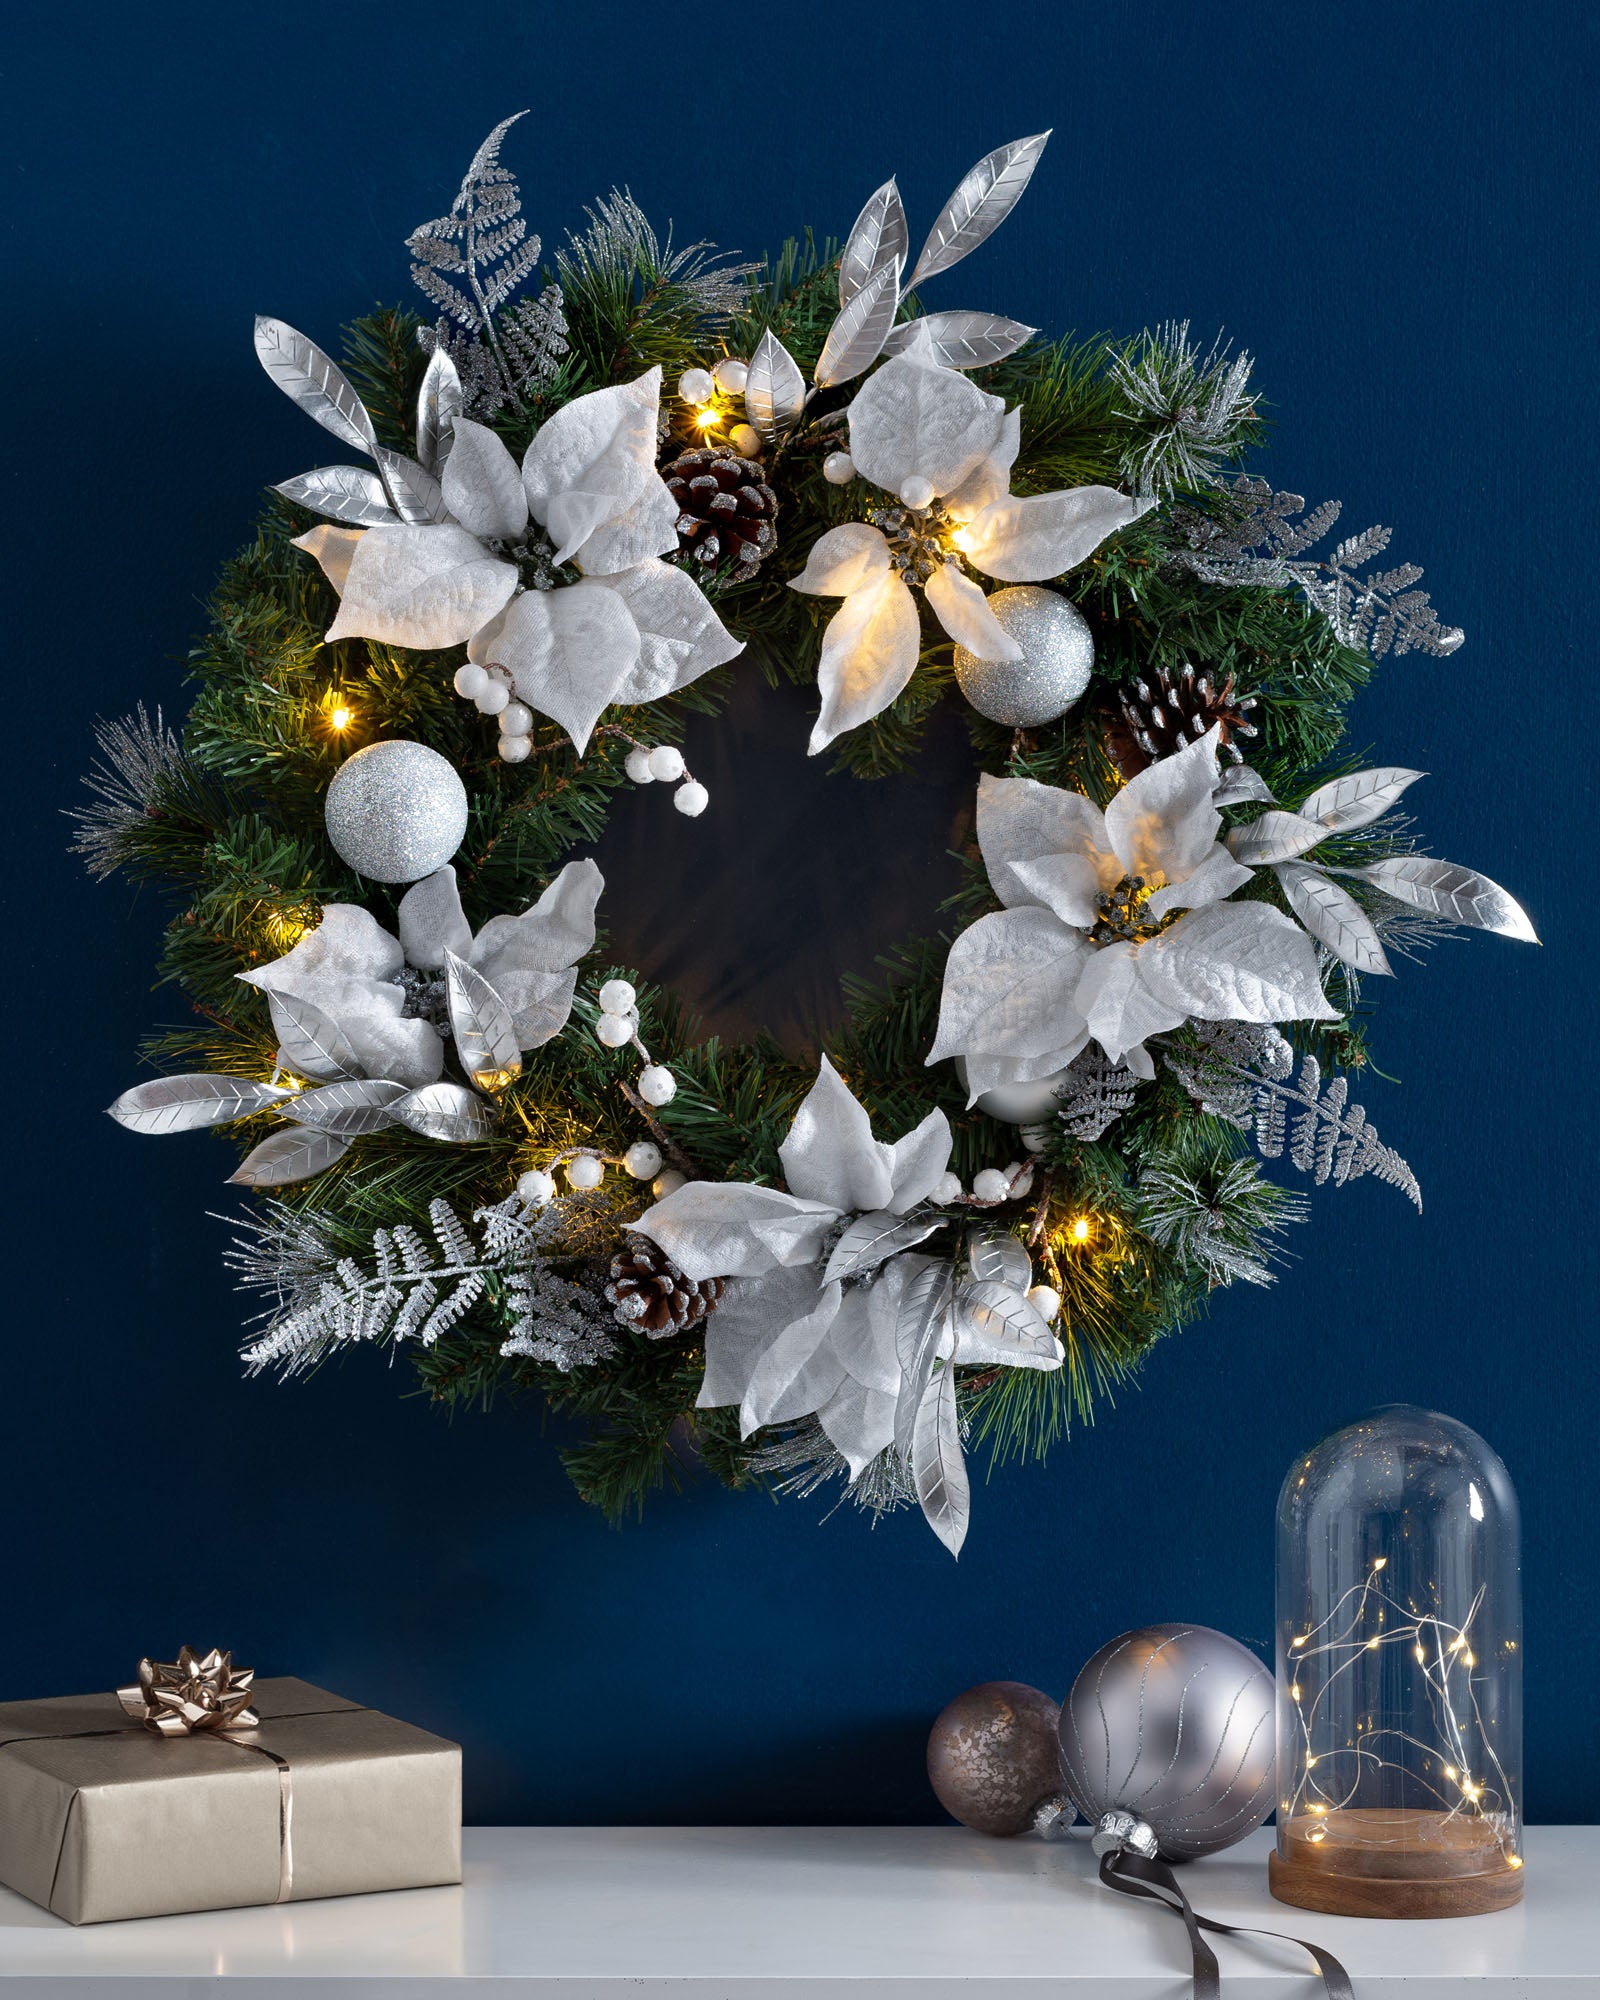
1171	1728
396	811
1057	659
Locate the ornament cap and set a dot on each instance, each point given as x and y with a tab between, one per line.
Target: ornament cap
1117	1829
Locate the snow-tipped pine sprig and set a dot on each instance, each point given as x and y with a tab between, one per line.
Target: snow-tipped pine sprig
138	758
620	258
1249	536
1190	412
1225	1224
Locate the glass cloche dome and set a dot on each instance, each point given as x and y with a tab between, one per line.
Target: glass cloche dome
1399	1673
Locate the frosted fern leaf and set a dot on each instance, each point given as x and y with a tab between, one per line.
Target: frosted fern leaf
1093	1094
1249	535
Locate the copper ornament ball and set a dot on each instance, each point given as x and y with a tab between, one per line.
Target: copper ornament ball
993	1757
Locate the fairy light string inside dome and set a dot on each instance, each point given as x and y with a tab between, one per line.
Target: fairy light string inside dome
560	513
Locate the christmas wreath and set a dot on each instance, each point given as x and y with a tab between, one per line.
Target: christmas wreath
1034	1149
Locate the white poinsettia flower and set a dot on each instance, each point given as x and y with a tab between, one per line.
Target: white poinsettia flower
632	629
943	449
808	1323
1116	927
384	996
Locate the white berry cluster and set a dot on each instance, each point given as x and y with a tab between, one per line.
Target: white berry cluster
618	1025
489	691
665	765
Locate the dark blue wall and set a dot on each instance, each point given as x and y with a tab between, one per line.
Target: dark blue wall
1392	207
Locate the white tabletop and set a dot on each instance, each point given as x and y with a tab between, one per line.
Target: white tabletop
785	1913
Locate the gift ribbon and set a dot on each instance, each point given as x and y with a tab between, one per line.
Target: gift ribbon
1132	1874
218	1730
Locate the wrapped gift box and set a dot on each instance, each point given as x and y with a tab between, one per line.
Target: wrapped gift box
101	1817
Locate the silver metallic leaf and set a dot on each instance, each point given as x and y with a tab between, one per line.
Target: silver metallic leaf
924	1317
855	340
1358	799
343	493
1276	836
440	401
365	1104
938	1470
310	1040
418	497
447	1111
1333	916
308	377
774	389
1446	890
997	1328
982	201
186	1103
872	1239
486	1035
878	236
1239	785
292	1155
961	339
1000	1260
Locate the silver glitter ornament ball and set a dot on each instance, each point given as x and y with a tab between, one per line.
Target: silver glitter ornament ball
396	811
992	1757
1171	1728
1057	659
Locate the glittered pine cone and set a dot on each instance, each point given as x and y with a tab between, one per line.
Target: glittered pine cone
650	1294
1164	711
725	510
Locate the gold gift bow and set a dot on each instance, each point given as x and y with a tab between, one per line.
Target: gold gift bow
196	1691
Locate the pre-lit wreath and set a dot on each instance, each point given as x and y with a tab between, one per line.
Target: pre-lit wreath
1033	1150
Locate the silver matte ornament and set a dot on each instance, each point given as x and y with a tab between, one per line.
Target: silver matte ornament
1057	659
396	811
992	1760
1167	1742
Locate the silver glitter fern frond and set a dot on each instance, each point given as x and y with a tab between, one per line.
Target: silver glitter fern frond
1192	411
1245	1074
138	758
1094	1094
1250	535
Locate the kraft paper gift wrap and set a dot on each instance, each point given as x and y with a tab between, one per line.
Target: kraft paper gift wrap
102	1818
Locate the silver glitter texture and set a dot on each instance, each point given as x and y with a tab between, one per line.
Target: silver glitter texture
396	811
1058	657
1173	1724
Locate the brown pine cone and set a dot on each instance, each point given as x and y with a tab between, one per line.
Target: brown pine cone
650	1294
725	510
1167	710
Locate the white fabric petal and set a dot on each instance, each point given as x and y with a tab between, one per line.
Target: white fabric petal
1163	822
1009	986
349	967
1117	1005
568	650
1019	820
1032	540
1066	884
869	651
1236	962
992	479
707	1228
432	922
1217	876
749	1317
916	419
648	528
843	560
858	1423
798	1371
422	587
830	1154
528	959
482	486
592	461
680	635
917	1163
986	1072
333	549
962	609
